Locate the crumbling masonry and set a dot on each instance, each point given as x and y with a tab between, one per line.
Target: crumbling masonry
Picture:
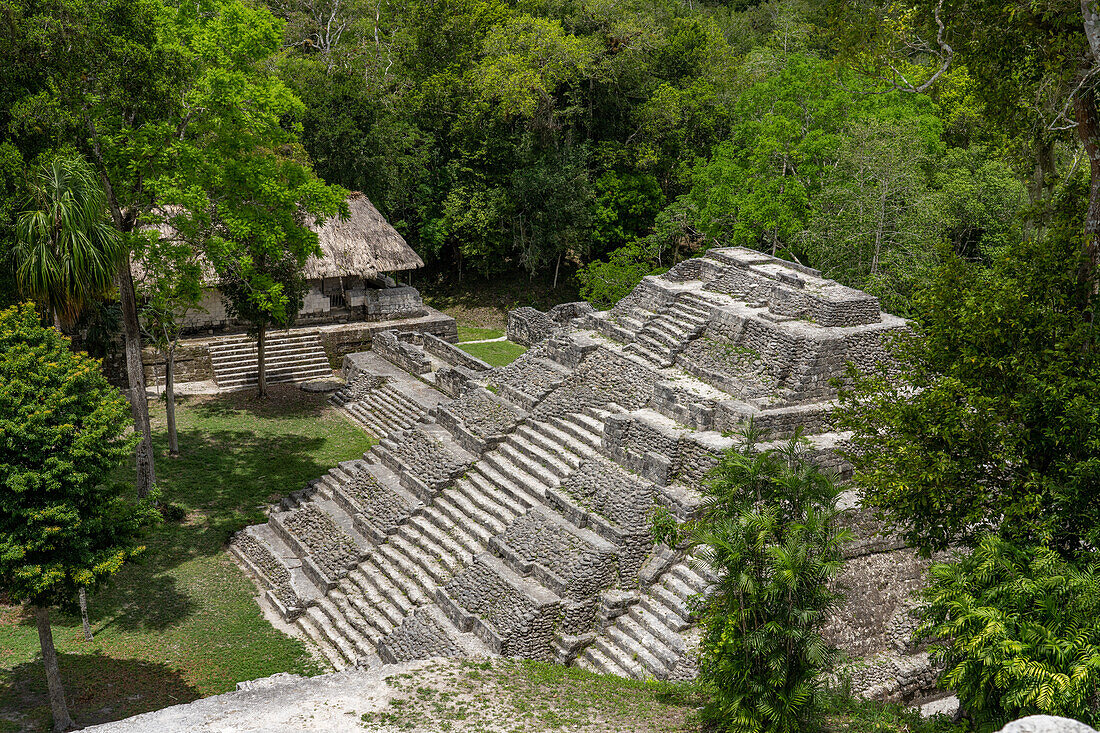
506	511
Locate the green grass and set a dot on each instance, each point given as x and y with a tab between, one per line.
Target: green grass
844	713
474	333
183	624
495	353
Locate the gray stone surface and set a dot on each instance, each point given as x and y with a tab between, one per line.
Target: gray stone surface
1046	724
519	511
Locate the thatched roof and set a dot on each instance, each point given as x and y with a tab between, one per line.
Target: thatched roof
363	244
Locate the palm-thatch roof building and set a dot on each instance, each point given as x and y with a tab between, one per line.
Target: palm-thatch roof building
354	278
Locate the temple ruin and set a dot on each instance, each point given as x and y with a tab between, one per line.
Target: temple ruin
506	511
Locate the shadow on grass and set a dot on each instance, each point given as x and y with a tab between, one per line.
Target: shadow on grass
98	688
284	401
223	481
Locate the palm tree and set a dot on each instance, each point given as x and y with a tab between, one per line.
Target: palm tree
66	251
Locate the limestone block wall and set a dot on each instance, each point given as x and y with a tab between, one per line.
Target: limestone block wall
528	326
513	621
450	353
405	355
192	364
615	503
604	377
477	418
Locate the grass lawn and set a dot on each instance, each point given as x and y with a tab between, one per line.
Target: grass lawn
183	624
495	353
474	333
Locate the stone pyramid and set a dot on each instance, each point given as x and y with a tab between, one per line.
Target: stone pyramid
506	511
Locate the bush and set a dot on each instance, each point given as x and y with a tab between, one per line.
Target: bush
769	530
1018	629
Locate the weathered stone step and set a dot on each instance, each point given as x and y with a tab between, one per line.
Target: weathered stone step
472	508
476	487
352	644
452	554
577	448
364	617
402	573
594	660
454	512
580	431
556	449
314	630
520	440
650	640
379	594
636	652
521	461
503	472
276	352
431	564
654	607
618	659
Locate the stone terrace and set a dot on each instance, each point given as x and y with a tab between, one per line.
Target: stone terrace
506	511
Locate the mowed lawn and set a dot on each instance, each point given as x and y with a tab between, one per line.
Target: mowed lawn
494	353
184	624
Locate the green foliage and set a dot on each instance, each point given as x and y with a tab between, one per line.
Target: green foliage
626	206
664	526
170	284
66	250
992	423
63	430
605	283
755	191
1018	630
769	529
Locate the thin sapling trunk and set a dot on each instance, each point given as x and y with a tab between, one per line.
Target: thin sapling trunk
262	380
82	596
170	400
62	721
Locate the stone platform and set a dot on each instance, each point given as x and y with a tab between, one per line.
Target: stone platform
506	511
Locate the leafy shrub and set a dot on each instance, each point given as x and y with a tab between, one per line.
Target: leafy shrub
664	526
769	530
1018	629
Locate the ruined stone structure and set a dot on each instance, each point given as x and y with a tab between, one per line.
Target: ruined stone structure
506	511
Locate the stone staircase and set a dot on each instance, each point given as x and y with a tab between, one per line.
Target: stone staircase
652	639
382	411
507	511
374	555
436	541
289	357
668	333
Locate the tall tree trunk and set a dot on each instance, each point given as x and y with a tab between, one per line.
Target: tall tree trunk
262	377
135	374
61	719
1088	128
557	267
82	596
170	400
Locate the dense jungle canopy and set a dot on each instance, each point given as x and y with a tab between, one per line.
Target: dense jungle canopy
606	138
